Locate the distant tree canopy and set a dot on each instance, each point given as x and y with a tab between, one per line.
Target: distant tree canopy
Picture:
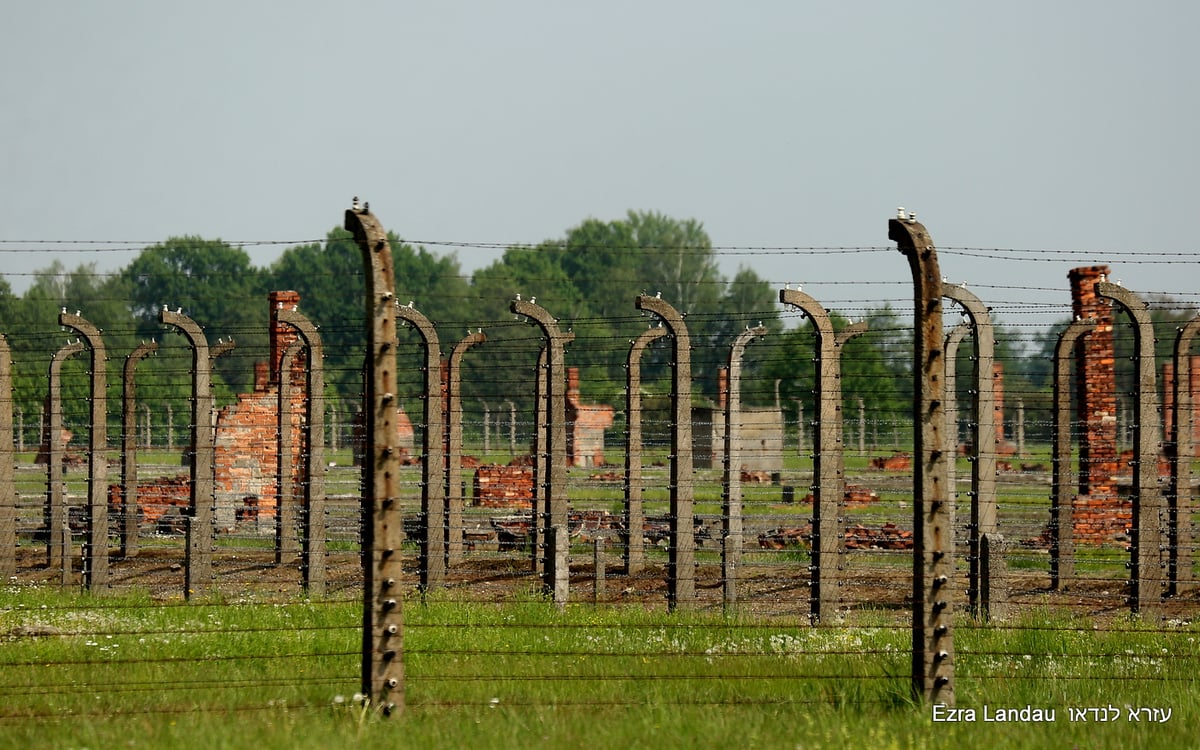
588	279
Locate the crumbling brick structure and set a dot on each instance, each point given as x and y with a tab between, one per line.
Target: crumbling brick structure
512	486
1003	446
760	435
503	486
246	444
246	448
586	424
1099	513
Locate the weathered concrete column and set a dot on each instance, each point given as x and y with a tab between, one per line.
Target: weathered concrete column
95	558
983	602
1062	483
312	552
829	465
58	534
512	429
933	534
8	492
1181	537
287	535
731	510
455	499
199	546
953	340
554	484
1099	513
433	475
539	510
129	450
487	423
1145	571
224	511
383	528
681	560
635	513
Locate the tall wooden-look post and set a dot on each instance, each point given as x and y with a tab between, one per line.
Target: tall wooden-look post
933	533
383	532
681	557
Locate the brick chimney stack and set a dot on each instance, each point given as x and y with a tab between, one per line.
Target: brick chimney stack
572	394
282	335
1099	513
1096	385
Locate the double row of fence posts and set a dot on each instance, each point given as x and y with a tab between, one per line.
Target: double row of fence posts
935	445
199	514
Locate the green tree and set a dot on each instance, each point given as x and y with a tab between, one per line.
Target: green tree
875	368
215	285
505	366
329	279
35	334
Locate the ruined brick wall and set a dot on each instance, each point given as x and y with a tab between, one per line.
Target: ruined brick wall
586	424
498	486
760	443
246	447
1099	513
156	497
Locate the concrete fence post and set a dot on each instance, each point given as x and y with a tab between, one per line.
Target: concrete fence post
95	569
487	426
539	510
8	491
829	465
732	539
199	545
599	571
129	450
933	533
553	483
383	529
635	514
287	538
58	533
455	498
1181	537
953	340
681	559
1146	575
1062	481
984	510
512	429
312	552
433	475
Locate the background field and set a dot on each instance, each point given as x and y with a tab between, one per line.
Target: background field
490	662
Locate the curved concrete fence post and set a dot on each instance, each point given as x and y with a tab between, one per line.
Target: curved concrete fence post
681	560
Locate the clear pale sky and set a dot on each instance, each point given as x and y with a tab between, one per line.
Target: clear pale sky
1061	133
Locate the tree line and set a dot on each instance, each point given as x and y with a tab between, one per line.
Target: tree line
588	279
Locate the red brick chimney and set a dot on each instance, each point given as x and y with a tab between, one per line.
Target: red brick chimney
282	335
1099	513
572	385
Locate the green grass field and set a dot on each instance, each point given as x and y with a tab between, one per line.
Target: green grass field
127	671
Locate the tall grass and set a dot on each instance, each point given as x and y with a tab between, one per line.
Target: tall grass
127	671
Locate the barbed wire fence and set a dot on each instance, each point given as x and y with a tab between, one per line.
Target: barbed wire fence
761	564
